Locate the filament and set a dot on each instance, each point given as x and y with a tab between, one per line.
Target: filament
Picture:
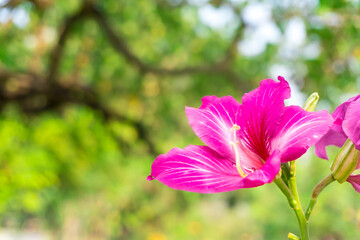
237	160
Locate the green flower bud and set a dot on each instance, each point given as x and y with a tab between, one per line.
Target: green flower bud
345	162
311	102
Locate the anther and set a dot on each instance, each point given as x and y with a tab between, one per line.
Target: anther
235	128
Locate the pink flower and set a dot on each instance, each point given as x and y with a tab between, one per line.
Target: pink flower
346	125
246	143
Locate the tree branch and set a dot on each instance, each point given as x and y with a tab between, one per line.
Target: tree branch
221	67
119	44
43	96
57	52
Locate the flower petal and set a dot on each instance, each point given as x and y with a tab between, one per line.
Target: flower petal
196	169
213	122
339	113
332	137
261	111
200	169
351	123
299	130
355	182
336	135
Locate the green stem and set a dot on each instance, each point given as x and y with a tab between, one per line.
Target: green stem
294	192
304	229
295	205
286	191
317	190
285	172
292	182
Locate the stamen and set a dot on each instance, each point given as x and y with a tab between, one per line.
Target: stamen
234	129
237	160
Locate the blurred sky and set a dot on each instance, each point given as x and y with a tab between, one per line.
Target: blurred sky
262	30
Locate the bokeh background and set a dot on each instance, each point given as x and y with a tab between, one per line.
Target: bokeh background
92	91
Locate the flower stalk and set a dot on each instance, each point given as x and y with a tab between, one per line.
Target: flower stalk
295	205
317	190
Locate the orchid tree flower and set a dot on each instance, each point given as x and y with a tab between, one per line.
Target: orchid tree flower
345	132
245	143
